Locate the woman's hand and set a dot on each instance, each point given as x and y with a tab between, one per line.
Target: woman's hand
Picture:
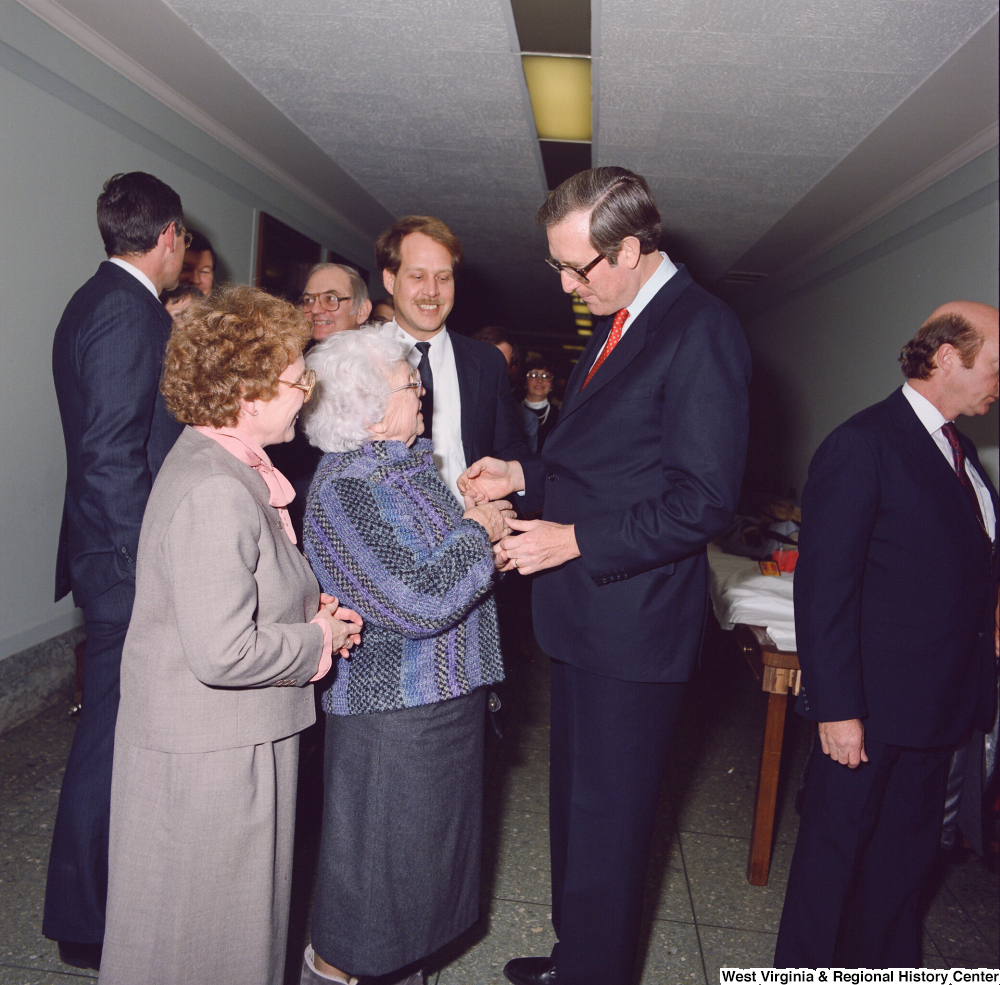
345	624
492	517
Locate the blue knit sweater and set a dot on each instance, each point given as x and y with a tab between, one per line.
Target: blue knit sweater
384	534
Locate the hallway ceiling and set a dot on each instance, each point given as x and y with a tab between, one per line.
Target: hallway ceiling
767	129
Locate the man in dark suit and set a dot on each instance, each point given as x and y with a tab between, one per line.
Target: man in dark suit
641	471
106	360
467	405
895	620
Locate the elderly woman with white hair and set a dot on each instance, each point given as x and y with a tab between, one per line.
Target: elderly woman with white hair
402	822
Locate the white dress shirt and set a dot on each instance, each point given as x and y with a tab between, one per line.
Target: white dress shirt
137	274
449	455
646	293
933	419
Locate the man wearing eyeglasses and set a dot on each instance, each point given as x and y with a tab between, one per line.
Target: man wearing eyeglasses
335	299
106	360
467	406
641	471
199	264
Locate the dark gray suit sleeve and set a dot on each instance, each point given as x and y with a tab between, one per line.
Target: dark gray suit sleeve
119	357
840	503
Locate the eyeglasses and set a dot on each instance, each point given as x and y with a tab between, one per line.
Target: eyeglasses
329	301
188	237
306	383
577	273
406	386
535	375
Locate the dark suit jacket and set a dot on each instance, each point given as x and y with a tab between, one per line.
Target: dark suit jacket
491	420
895	587
107	359
647	463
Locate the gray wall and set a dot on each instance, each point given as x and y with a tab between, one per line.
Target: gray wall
68	123
827	346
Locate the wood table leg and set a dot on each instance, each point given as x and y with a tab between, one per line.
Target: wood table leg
767	790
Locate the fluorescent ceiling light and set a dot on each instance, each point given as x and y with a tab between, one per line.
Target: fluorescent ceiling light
560	96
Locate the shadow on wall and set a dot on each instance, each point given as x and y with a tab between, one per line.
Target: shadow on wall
776	409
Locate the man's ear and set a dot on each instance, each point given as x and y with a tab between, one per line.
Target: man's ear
364	310
630	252
388	280
946	358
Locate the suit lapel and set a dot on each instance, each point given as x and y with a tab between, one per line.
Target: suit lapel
936	466
630	345
469	385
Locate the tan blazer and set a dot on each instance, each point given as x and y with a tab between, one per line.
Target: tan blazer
219	649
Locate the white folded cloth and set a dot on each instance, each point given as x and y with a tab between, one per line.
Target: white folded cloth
741	594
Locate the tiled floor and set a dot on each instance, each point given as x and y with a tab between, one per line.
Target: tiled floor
702	913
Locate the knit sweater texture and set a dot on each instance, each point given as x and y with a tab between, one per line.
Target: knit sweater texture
385	536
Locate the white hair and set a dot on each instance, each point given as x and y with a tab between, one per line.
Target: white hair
352	373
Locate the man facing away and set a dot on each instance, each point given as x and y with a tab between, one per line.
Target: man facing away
106	360
467	405
641	471
895	620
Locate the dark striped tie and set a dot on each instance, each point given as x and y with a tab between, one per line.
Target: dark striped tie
949	430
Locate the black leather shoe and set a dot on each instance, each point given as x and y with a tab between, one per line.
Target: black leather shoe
78	955
530	971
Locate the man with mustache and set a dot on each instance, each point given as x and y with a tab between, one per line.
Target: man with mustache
467	406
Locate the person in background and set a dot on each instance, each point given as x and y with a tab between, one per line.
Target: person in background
228	630
383	311
199	264
497	335
896	625
400	848
106	360
537	405
177	299
335	300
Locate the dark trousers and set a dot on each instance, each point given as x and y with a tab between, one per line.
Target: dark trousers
608	752
867	842
77	888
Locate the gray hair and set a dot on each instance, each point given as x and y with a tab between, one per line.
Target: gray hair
620	205
359	289
352	370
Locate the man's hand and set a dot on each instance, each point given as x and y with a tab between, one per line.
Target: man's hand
541	545
490	478
844	742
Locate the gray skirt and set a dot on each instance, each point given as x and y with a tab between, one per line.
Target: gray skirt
200	865
402	834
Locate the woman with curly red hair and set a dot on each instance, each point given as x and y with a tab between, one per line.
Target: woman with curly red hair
229	629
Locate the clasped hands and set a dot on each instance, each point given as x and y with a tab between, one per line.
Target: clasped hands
528	545
345	624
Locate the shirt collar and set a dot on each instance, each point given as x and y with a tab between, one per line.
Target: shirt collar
136	273
648	291
929	415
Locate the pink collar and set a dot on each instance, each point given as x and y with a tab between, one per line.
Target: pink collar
243	447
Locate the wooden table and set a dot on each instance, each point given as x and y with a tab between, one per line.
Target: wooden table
778	673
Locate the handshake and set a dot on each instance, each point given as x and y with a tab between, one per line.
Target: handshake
527	545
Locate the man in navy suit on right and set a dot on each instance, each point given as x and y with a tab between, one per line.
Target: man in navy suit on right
106	363
896	624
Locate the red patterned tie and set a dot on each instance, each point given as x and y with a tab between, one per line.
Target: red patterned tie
949	430
616	334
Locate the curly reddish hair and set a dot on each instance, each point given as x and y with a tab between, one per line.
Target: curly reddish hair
229	347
